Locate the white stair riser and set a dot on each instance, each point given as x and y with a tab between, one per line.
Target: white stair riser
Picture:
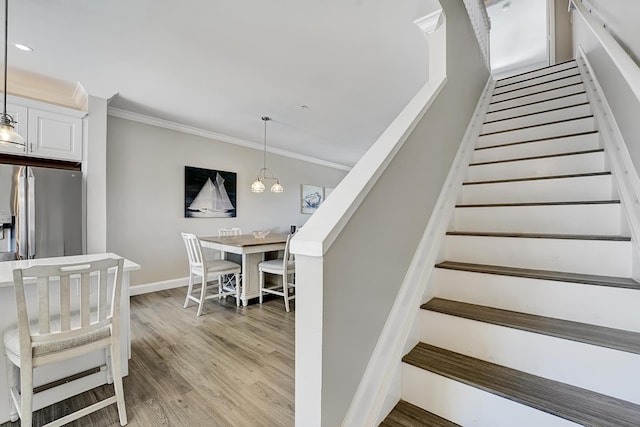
536	80
536	88
607	258
542	190
549	166
469	406
539	148
606	306
601	219
539	118
537	73
543	131
537	354
537	107
569	90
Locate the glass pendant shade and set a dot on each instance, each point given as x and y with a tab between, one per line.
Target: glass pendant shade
257	186
277	187
8	134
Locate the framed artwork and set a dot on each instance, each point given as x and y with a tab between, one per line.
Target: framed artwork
209	193
311	198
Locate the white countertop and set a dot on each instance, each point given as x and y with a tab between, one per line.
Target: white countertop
7	267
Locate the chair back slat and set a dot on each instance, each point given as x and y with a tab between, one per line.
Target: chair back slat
230	231
102	295
65	303
58	303
194	251
85	299
43	305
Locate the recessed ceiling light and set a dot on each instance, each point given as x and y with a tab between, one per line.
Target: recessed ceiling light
23	47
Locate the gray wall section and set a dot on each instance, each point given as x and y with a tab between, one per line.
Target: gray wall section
625	106
145	193
365	265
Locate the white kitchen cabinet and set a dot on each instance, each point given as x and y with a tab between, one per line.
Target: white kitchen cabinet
55	134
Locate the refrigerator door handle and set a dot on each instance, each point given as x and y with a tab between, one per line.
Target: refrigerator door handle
21	238
31	209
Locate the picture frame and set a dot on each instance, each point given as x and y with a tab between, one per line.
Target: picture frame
209	193
311	197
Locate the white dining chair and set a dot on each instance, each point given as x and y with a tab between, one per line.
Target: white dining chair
229	231
78	312
203	267
284	267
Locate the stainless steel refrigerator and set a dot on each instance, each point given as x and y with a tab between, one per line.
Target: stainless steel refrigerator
40	212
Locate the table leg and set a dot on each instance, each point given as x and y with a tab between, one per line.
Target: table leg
250	276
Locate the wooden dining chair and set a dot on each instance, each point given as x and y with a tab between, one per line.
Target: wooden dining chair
203	267
77	312
284	267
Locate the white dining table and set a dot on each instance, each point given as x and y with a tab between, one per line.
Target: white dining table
252	250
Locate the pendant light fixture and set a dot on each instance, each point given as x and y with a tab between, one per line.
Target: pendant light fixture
8	134
258	185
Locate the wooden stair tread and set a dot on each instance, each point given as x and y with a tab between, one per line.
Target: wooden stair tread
569	402
555	122
548	138
601	336
537	102
584	202
537	69
541	236
559	276
537	178
405	414
536	93
544	156
536	112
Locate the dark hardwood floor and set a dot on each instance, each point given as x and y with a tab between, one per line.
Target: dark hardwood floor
229	367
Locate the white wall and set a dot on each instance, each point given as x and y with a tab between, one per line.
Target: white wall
621	19
363	269
145	193
625	106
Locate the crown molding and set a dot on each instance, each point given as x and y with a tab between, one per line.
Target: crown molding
429	23
167	124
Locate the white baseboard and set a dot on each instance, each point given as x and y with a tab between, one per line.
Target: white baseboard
158	286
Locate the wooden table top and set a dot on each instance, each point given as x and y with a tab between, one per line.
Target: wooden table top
247	239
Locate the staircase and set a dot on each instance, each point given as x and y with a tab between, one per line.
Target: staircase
535	319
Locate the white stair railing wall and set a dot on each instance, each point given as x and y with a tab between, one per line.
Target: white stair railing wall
353	254
612	81
481	26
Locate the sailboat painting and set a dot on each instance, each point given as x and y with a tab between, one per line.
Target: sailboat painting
209	193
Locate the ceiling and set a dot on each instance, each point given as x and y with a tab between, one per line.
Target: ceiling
332	74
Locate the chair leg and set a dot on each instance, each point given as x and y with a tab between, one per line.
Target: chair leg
107	354
26	395
261	285
12	381
117	382
203	293
285	291
221	287
189	290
